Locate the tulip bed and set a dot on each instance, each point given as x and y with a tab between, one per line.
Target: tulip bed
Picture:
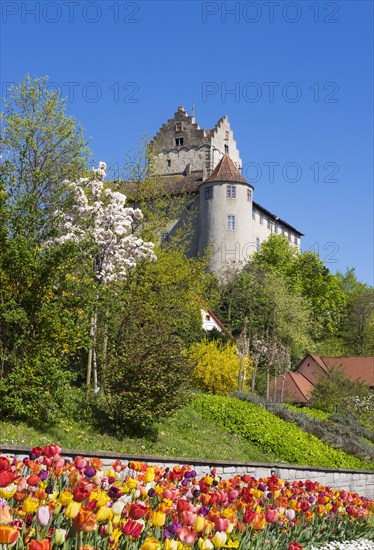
49	502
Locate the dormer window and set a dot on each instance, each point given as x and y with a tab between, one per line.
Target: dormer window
178	127
179	142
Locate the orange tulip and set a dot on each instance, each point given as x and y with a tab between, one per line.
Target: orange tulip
84	521
44	544
8	534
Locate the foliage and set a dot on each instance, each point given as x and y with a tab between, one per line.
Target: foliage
285	439
273	311
158	316
338	435
306	274
43	147
331	392
217	366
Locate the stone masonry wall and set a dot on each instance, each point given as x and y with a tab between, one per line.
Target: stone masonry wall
358	481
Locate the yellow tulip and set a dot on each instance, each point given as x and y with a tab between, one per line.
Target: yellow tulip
30	505
158	519
102	499
103	513
65	498
132	483
8	492
172	545
149	475
205	544
151	544
199	524
72	509
219	539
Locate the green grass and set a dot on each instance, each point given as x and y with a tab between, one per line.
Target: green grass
184	435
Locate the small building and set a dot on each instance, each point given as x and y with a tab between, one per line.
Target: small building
211	322
298	385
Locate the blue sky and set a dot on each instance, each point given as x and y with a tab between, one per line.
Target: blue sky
300	76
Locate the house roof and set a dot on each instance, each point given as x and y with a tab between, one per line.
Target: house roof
257	206
356	367
296	388
173	184
319	361
226	171
220	324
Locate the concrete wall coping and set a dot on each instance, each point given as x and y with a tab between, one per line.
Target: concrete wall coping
19	449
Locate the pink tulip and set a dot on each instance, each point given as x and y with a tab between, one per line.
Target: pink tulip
43	516
290	514
187	536
272	516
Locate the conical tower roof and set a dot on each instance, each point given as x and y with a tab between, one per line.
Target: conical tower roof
226	171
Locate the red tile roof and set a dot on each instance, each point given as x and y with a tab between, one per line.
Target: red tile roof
356	367
296	388
226	171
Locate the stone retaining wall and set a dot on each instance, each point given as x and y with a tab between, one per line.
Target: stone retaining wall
358	481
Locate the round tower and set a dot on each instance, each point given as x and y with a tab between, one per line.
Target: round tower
226	216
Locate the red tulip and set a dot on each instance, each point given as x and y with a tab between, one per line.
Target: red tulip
137	510
6	478
33	480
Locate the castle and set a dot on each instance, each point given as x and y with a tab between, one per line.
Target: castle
206	164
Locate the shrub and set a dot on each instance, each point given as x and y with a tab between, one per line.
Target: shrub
217	366
286	440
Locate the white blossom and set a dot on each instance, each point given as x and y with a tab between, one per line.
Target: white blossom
361	544
99	217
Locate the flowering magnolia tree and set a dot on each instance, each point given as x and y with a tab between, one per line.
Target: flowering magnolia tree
99	221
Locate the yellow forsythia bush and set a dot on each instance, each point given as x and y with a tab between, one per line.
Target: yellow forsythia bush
217	366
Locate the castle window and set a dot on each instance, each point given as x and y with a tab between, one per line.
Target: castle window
289	236
178	127
231	191
249	194
296	240
230	222
169	162
261	220
208	193
227	135
226	149
257	244
165	237
179	142
269	224
253	215
276	228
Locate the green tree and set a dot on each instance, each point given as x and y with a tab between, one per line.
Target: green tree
357	326
43	147
305	274
335	390
42	307
152	324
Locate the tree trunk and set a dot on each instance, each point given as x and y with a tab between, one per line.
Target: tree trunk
267	384
275	387
91	361
283	381
254	378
